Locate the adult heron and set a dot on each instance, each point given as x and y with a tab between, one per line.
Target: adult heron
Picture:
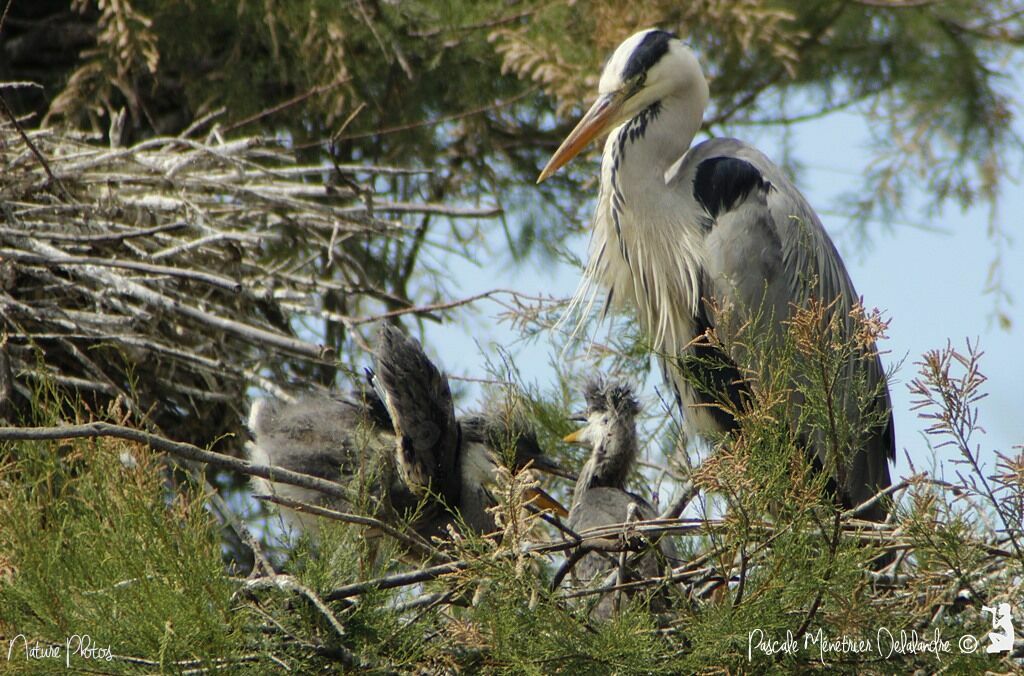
691	236
401	439
601	497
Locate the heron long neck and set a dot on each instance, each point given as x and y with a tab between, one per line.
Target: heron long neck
648	144
611	460
647	249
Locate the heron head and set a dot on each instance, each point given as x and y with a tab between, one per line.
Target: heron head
484	437
648	67
611	408
496	432
610	433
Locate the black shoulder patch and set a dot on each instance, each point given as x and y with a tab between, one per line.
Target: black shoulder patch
715	378
647	53
723	182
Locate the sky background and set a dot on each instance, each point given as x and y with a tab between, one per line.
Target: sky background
930	284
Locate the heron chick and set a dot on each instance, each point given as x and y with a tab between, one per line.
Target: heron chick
716	238
340	439
601	497
402	439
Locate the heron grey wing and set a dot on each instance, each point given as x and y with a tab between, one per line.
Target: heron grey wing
420	403
814	269
809	254
765	252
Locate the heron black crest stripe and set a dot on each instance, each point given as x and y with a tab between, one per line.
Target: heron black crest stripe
632	132
647	53
637	127
723	182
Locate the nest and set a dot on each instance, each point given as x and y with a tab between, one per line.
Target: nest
172	275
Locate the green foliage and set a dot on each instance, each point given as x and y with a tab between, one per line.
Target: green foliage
95	547
474	95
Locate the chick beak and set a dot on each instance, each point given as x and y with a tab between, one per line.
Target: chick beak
543	500
574	437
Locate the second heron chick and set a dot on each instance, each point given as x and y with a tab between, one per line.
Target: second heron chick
601	497
453	462
341	439
419	460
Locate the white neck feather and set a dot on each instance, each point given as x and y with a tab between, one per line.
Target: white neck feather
610	461
639	231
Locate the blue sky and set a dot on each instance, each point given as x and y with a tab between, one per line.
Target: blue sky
930	284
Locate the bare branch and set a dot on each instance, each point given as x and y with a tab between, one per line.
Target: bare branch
97	430
410	540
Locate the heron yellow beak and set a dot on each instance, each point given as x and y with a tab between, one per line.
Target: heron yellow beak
597	120
543	500
574	437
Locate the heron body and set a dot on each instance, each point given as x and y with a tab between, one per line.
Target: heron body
601	498
332	438
710	238
403	442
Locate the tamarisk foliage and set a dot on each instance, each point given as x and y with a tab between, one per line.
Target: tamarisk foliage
201	199
764	556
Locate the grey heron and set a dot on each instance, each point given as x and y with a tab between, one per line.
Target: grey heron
689	236
601	497
405	442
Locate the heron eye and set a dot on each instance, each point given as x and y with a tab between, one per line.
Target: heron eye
636	84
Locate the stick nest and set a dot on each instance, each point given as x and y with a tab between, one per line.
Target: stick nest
165	274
